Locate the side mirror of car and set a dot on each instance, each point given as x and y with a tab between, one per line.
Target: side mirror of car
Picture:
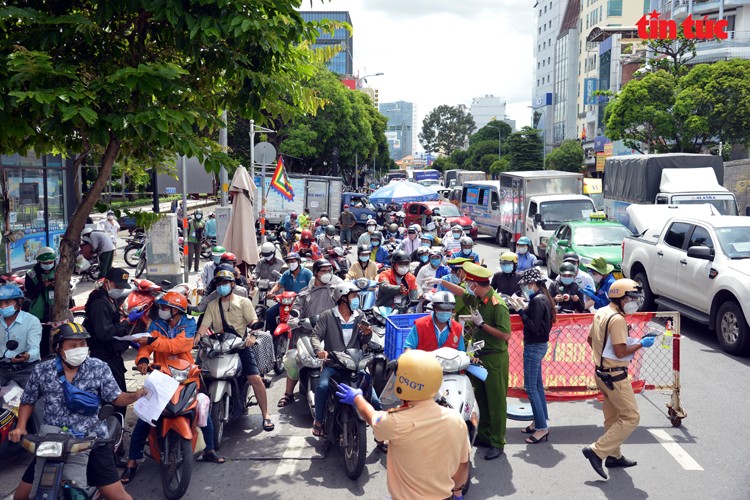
563	243
701	252
495	205
537	218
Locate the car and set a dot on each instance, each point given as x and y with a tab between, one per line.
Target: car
417	212
596	237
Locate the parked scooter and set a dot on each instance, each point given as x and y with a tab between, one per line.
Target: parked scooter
133	248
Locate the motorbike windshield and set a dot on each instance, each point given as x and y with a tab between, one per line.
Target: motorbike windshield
388	397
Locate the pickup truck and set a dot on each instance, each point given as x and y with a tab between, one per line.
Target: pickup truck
700	267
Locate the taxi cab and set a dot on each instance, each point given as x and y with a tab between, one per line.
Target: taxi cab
592	238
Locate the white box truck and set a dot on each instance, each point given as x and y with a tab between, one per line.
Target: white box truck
316	192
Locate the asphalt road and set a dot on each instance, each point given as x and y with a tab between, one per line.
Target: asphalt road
704	458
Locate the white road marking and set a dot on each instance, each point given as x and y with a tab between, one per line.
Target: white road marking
678	453
290	457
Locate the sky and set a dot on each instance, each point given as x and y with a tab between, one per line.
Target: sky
435	52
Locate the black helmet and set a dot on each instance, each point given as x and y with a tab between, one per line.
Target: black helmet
320	263
376	236
363	249
400	257
68	331
330	230
568	268
571	257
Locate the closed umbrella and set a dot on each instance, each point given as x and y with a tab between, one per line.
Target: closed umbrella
403	192
240	237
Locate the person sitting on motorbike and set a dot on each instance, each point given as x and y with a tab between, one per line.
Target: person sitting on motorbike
39	288
22	327
290	226
267	264
457	274
427	240
582	279
397	284
321	221
378	253
431	229
411	242
429	449
364	267
172	336
422	257
320	228
434	269
437	330
338	328
466	251
564	291
400	217
452	240
294	280
209	268
526	259
329	239
601	272
69	342
505	282
213	293
306	247
392	234
311	301
364	238
304	219
239	314
231	259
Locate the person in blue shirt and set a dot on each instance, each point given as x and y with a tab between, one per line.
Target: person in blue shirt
437	330
456	274
601	272
290	226
211	225
466	251
379	254
526	259
294	279
22	327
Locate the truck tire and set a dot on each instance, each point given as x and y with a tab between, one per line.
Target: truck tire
731	329
648	298
357	231
501	237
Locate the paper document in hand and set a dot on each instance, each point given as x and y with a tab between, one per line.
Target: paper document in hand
160	389
609	353
130	338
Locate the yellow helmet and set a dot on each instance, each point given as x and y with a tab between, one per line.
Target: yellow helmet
509	256
625	287
418	376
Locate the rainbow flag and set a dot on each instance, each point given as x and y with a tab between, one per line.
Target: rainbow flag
280	182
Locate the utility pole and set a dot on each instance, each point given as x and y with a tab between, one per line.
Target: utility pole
252	154
184	221
356	171
223	180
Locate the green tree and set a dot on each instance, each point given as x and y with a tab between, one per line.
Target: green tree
524	150
499	166
671	55
490	132
444	163
146	81
568	156
477	151
446	129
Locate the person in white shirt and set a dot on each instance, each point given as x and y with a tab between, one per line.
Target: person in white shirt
110	226
428	271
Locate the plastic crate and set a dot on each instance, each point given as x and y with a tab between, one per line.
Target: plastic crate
397	328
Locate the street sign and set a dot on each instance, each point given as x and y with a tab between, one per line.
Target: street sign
265	153
171	190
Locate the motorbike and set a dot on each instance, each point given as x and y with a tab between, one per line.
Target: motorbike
54	450
345	427
456	391
264	286
88	266
10	392
310	365
282	335
337	256
207	243
133	248
375	318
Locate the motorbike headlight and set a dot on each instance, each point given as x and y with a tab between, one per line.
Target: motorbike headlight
287	301
179	375
450	365
49	449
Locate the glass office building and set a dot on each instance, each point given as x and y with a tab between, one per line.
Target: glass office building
341	63
400	128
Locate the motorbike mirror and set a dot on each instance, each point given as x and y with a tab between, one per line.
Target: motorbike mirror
105	411
166	283
257	325
11	345
276	273
195	370
476	346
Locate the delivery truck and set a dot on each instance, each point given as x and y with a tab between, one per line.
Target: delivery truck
318	193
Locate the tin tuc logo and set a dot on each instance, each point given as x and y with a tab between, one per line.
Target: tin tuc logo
650	27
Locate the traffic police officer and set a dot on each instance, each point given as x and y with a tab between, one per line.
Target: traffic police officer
611	353
428	452
490	315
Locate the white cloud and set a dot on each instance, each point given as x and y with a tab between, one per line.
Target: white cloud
444	52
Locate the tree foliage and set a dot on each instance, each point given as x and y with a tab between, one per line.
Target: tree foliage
446	129
490	132
568	156
145	80
671	55
524	150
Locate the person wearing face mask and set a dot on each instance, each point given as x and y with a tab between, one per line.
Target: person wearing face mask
110	226
328	239
104	323
452	240
320	228
611	351
491	319
364	238
339	328
22	327
196	226
209	269
311	301
431	230
294	279
102	245
411	242
565	291
378	253
436	268
455	276
427	240
347	221
238	314
397	284
582	278
40	291
306	247
601	272
422	257
364	267
526	259
393	234
72	361
211	226
437	330
505	282
213	293
172	337
267	264
467	250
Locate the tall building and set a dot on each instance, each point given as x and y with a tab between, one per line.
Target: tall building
401	128
549	14
342	62
565	76
488	108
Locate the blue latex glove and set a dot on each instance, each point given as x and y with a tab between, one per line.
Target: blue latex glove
135	315
347	394
647	341
589	291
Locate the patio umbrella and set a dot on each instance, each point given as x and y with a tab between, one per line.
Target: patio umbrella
240	237
403	192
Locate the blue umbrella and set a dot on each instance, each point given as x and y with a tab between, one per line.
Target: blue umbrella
403	192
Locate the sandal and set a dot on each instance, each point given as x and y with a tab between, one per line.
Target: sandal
285	400
529	430
268	425
318	431
212	457
382	446
128	474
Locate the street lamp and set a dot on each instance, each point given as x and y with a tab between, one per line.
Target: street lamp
359	80
499	140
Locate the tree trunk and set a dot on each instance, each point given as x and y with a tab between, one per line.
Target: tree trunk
70	241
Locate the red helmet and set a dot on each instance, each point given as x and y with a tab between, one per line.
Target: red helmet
175	300
293	215
306	236
229	257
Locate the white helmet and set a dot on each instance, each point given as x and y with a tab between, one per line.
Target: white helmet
443	301
86	231
466	241
324	221
267	249
343	289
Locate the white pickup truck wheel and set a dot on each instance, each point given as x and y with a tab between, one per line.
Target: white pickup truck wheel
647	303
732	329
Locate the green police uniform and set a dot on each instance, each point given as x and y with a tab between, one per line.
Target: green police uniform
492	394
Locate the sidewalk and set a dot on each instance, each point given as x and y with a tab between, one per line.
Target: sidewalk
164	208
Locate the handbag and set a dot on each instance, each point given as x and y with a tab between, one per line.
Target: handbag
226	327
77	400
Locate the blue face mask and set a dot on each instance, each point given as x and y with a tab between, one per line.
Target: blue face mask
217	260
466	251
435	262
507	268
375	244
443	316
424	258
8	311
354	303
456	236
224	289
452	278
566	280
528	291
471	291
364	258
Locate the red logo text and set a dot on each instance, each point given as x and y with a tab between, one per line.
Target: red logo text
650	27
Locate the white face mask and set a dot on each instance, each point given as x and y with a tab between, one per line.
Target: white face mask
370	229
165	314
597	278
293	266
76	357
630	307
326	278
402	270
269	258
